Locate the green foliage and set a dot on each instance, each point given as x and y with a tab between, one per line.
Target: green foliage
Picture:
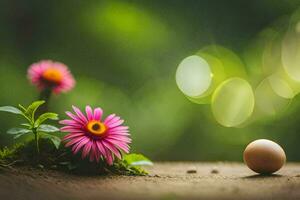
34	126
129	169
55	140
7	153
25	154
11	109
31	109
75	164
47	128
18	132
15	131
8	156
133	162
63	159
51	154
136	160
44	117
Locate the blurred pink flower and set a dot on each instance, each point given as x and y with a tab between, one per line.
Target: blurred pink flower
48	74
96	138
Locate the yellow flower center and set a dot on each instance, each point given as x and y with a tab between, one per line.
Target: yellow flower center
52	75
96	128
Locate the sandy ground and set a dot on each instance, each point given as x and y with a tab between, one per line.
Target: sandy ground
167	181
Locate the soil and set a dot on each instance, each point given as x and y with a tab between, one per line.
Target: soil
166	181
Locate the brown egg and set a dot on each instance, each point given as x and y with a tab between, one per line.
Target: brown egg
264	156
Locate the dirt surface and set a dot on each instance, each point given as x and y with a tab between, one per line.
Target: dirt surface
167	181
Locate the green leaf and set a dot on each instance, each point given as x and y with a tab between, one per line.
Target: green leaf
47	128
64	163
55	140
19	135
72	166
11	109
44	117
26	125
22	108
137	160
32	108
15	131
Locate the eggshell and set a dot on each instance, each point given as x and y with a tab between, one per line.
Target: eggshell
264	156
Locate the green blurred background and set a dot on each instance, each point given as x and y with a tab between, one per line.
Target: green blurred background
124	55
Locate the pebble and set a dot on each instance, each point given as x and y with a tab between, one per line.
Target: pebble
191	171
154	175
214	170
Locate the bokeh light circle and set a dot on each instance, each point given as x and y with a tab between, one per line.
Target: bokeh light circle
271	57
280	86
193	76
291	54
232	64
268	101
200	100
233	102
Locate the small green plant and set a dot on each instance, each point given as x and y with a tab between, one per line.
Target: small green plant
34	124
62	159
135	159
134	162
44	149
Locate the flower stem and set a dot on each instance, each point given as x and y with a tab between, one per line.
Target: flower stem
36	138
45	95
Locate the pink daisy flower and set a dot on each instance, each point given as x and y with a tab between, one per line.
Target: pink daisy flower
96	138
51	74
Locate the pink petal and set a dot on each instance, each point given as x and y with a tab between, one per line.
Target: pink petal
112	120
109	118
86	149
98	154
72	135
75	118
119	138
120	133
111	147
92	153
89	113
70	122
98	114
80	144
101	148
120	145
73	141
119	128
79	114
116	131
67	122
115	124
70	129
109	158
75	126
